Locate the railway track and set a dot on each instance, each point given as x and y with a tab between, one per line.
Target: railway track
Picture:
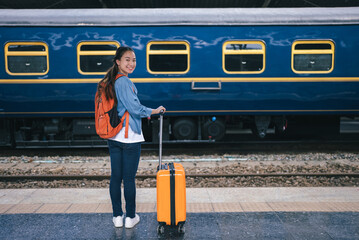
143	176
285	168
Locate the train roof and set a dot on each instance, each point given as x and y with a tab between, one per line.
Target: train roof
179	16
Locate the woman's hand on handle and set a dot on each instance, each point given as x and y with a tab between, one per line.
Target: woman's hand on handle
158	110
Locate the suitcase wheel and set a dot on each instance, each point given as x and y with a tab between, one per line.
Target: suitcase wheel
181	228
160	229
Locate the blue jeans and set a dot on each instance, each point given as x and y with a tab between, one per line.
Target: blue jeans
124	163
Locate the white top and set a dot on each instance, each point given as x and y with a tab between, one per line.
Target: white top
132	136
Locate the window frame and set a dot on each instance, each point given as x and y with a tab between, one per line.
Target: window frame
247	52
313	51
168	52
26	53
91	53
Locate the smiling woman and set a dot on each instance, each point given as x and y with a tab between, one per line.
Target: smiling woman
125	147
127	63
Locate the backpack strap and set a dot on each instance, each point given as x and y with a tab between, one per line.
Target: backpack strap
127	115
119	75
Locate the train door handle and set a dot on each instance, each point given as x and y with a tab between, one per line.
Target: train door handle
196	88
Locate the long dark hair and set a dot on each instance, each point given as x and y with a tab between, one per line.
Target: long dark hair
107	84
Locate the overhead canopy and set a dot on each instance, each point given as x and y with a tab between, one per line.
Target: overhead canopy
62	4
187	16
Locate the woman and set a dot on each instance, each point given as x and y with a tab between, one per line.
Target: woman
125	151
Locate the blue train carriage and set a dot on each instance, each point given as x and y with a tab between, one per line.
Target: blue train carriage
215	70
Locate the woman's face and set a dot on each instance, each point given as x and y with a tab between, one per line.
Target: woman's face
127	63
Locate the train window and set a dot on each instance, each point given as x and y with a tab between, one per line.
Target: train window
243	57
26	58
95	57
312	56
168	57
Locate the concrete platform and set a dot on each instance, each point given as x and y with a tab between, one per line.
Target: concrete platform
199	226
212	213
71	200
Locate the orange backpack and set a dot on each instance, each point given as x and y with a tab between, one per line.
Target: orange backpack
107	121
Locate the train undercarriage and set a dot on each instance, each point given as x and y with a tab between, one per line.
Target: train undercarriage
80	132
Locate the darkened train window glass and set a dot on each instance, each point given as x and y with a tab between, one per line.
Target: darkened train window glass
95	57
26	58
312	46
168	57
89	47
243	57
313	56
168	47
23	48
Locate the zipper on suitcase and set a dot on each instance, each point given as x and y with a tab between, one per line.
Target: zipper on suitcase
173	193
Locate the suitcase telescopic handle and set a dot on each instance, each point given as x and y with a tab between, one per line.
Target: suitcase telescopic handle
160	139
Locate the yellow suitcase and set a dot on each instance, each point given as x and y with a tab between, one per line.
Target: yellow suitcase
171	193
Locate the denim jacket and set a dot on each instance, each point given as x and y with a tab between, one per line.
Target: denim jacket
126	93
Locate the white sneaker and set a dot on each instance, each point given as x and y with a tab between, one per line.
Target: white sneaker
131	222
118	221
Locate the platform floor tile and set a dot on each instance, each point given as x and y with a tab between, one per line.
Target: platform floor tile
104	208
5	207
299	207
343	206
24	208
53	208
15	196
199	207
83	208
314	206
256	207
227	207
146	207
